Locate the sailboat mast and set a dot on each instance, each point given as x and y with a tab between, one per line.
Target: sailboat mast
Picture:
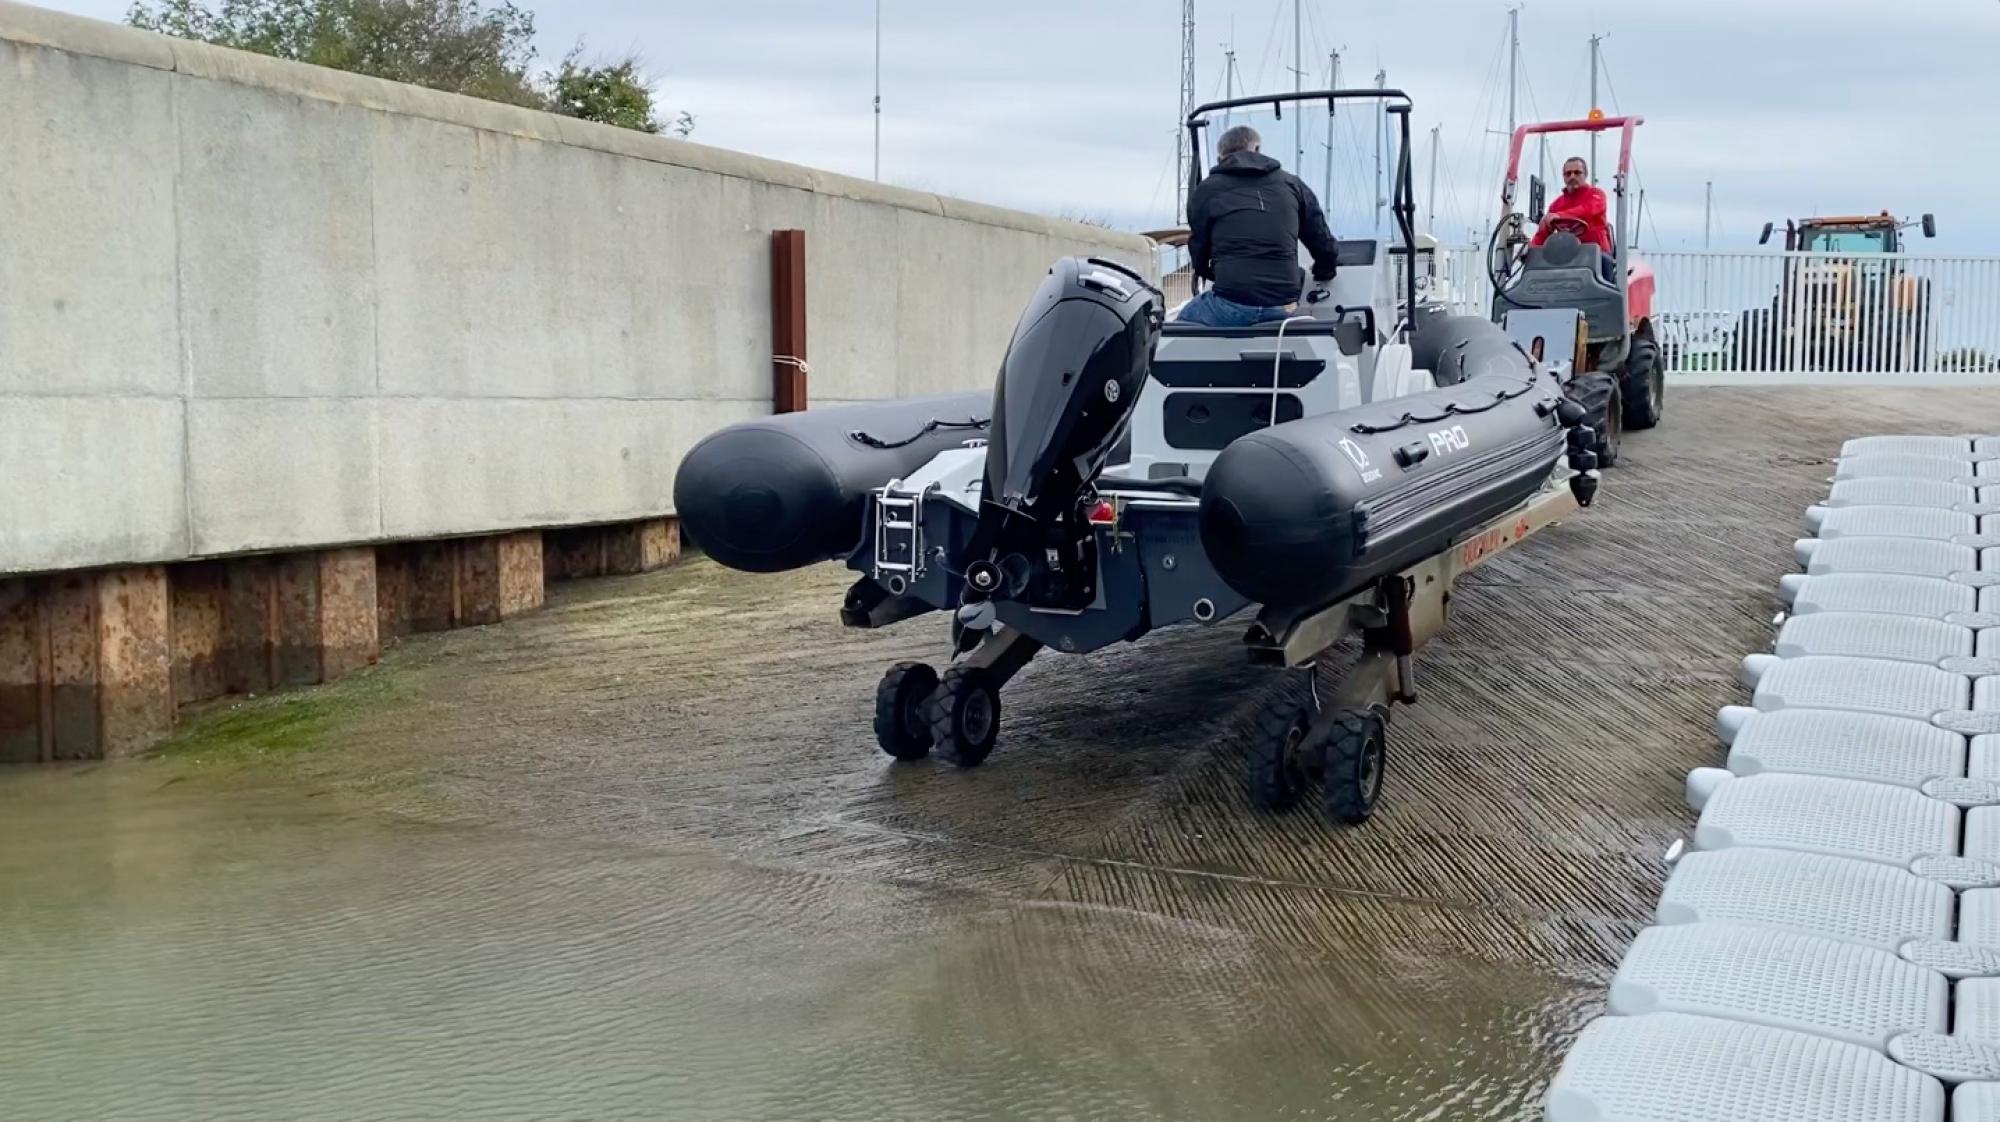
1594	41
1513	64
1381	128
1431	220
1298	85
1183	146
1229	73
1332	83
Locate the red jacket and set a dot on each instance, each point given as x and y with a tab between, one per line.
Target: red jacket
1586	205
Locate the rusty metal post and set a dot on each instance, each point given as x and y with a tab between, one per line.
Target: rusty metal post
788	321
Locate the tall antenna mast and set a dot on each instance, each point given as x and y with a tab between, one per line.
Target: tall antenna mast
878	91
1182	152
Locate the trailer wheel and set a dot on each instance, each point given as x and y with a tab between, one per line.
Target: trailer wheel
1645	388
965	716
1356	752
902	726
1277	758
1603	411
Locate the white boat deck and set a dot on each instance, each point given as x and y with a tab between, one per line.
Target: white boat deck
1828	945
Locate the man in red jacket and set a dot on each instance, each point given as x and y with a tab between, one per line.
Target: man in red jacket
1580	202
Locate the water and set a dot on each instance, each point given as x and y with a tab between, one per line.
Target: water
212	950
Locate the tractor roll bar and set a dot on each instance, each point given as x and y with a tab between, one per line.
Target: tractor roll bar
1625	125
1404	204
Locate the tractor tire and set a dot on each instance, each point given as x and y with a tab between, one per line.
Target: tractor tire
1603	410
1644	385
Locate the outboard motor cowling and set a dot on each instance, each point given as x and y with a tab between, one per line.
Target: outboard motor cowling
1072	374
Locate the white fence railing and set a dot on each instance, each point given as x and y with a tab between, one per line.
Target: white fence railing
1775	313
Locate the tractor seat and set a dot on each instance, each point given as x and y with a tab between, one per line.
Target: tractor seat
1563	272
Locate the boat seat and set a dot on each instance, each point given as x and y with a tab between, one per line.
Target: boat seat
1349	331
1182	485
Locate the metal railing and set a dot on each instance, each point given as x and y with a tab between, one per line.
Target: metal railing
1827	313
1778	314
1783	314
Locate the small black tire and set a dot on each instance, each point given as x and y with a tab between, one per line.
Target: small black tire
902	717
1645	388
1277	771
1356	756
965	716
1603	410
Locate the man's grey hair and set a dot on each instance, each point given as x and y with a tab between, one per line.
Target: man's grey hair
1242	138
1577	160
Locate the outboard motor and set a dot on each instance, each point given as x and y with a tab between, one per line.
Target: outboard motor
1079	357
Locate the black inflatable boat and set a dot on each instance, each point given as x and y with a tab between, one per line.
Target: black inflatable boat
1128	473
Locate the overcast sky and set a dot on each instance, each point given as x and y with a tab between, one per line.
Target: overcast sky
1791	107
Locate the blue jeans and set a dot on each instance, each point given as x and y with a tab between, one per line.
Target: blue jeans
1211	310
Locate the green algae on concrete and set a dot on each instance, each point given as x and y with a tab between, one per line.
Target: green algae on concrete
285	724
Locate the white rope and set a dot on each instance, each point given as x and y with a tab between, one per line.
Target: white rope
788	360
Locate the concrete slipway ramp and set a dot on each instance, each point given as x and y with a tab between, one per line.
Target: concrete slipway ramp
635	856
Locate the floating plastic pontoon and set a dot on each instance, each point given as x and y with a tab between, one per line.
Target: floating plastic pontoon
1828	943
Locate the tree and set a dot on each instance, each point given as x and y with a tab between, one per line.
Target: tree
614	94
460	46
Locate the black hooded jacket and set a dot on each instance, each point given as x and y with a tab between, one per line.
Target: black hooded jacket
1245	220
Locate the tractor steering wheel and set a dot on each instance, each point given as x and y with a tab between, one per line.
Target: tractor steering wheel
1575	226
1508	241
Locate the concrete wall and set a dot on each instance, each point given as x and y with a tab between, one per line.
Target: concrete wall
248	305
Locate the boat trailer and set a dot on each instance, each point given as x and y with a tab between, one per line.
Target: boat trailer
1341	738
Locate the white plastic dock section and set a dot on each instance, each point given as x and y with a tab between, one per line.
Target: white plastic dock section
1828	944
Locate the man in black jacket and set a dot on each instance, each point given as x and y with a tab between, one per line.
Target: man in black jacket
1245	220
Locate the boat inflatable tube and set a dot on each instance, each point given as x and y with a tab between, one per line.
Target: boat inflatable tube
791	490
1304	513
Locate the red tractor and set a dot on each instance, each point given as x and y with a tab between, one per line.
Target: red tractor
1616	372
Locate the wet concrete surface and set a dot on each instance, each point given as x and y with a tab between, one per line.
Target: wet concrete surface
636	856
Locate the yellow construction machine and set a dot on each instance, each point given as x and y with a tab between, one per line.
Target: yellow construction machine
1847	300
